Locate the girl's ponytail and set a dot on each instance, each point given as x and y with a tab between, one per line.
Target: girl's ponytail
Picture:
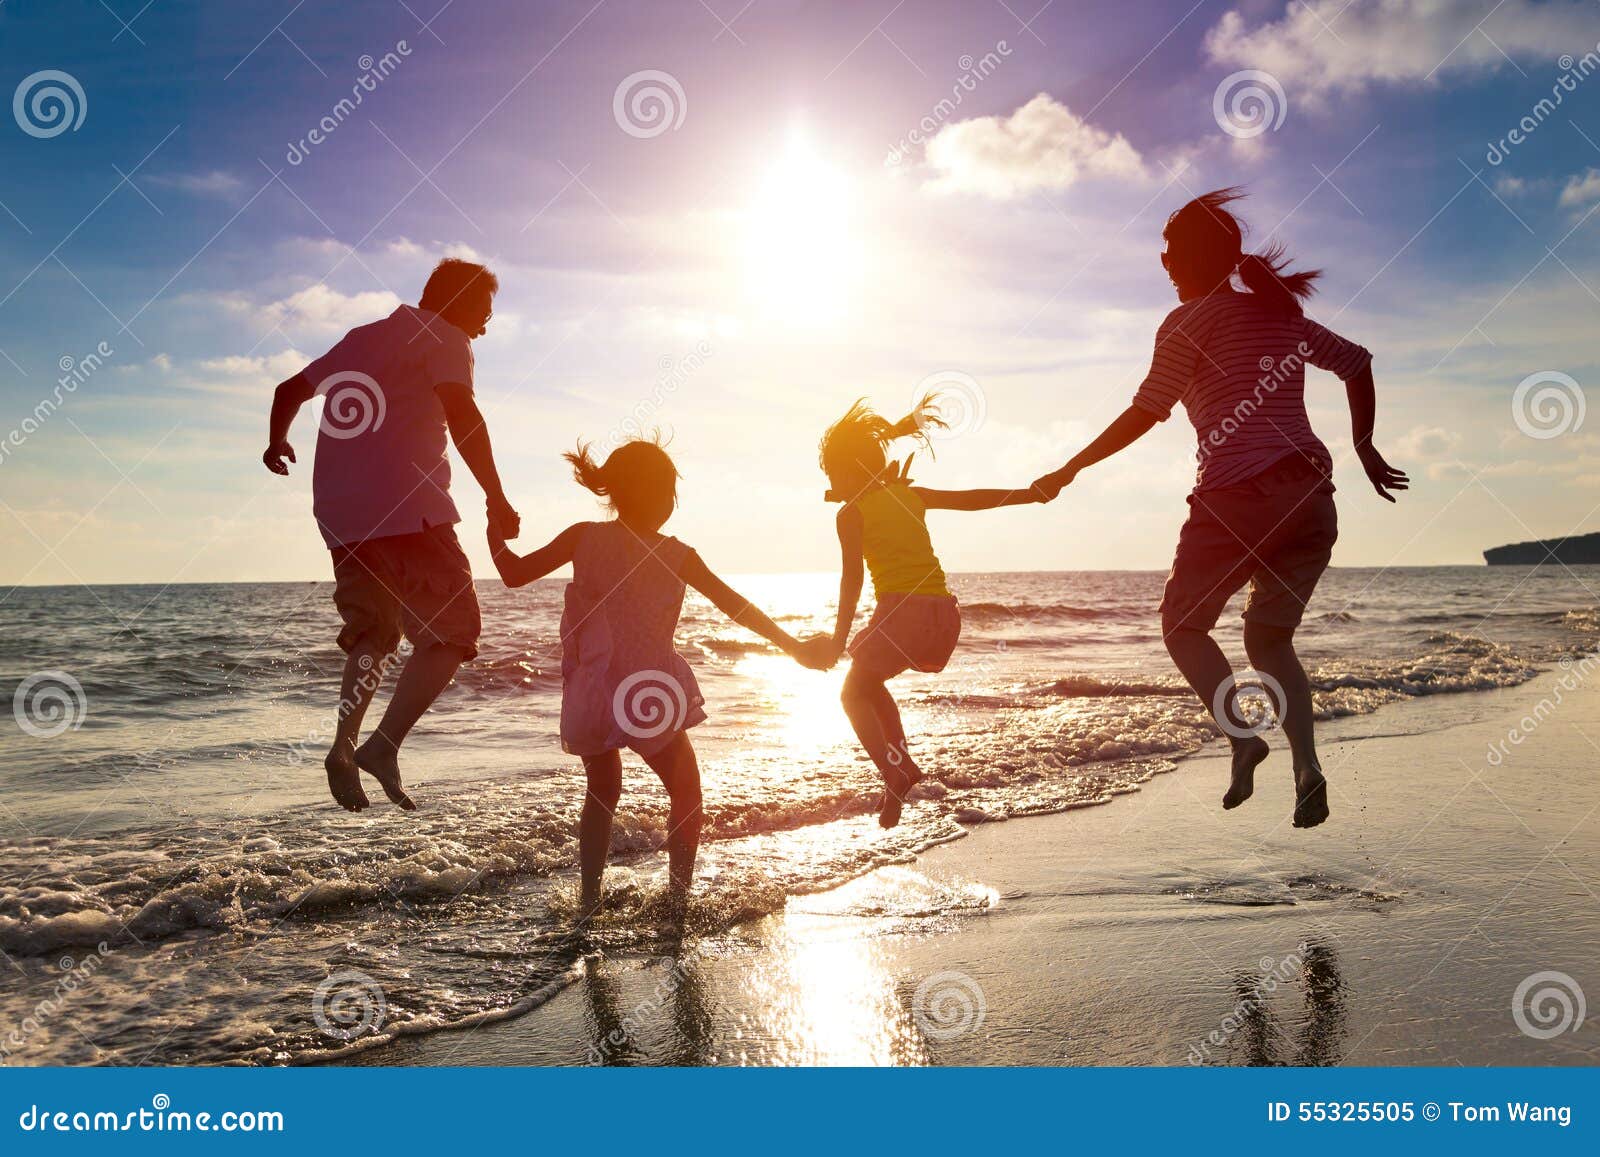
924	415
586	470
1264	275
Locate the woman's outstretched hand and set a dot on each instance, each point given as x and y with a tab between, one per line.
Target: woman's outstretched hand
817	653
1383	476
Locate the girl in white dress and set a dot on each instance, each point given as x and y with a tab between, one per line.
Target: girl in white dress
623	682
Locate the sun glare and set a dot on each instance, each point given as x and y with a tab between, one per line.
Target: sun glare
802	249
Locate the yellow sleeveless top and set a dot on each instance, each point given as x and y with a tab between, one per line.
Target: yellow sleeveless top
895	543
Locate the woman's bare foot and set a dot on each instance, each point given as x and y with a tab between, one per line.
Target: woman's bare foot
897	787
378	758
1310	798
1247	756
344	777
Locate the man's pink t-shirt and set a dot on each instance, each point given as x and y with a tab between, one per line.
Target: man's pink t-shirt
381	465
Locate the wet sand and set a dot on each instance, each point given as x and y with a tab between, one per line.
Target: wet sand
1158	930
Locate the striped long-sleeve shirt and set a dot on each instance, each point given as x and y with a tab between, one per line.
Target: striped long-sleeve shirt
1239	368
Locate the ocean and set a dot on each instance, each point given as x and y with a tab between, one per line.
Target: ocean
176	887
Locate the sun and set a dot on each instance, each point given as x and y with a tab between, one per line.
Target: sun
802	247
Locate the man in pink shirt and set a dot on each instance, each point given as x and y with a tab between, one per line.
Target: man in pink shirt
391	392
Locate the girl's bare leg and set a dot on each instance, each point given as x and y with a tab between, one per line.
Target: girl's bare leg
604	774
876	719
1271	650
680	773
1206	668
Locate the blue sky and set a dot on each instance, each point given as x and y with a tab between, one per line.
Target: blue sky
740	277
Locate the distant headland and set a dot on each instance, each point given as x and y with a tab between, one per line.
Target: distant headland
1579	550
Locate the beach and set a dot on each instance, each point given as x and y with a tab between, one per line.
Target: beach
178	889
1158	930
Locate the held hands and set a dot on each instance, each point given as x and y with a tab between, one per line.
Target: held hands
274	457
817	652
1047	486
1383	476
504	522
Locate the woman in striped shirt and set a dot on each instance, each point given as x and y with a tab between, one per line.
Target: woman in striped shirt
1262	508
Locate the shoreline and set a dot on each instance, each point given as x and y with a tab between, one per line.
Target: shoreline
1157	929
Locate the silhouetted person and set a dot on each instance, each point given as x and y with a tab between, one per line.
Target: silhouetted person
381	495
1262	508
623	683
882	527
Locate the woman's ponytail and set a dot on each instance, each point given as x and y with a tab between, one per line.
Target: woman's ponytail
1264	275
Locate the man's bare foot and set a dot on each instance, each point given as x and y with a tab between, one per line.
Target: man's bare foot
344	777
1310	798
1247	756
588	910
377	757
897	787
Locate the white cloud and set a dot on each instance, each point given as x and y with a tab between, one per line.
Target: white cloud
1324	46
319	311
214	183
1581	189
1043	145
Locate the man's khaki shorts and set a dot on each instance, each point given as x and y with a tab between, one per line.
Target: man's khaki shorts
419	585
1275	531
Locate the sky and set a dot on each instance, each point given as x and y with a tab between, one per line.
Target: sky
729	219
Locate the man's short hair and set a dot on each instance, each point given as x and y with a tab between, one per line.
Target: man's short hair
452	280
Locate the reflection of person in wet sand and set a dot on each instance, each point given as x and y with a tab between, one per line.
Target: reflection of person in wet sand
1262	508
1262	1039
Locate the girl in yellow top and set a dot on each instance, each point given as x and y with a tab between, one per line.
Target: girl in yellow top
916	622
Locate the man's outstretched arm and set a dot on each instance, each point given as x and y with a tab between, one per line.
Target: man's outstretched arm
470	433
286	402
